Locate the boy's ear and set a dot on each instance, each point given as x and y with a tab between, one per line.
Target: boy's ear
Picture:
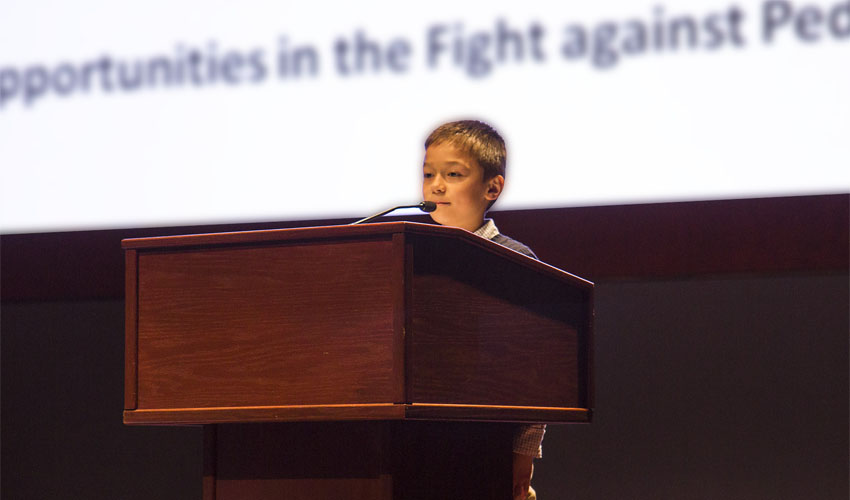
494	187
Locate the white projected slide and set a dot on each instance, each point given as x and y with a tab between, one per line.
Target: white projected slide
157	113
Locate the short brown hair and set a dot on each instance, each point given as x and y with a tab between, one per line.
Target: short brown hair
477	139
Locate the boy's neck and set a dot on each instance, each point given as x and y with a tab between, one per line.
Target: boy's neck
476	227
487	230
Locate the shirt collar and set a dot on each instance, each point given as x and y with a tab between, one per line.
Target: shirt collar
488	230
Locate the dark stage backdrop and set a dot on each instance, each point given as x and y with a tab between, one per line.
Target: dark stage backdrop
721	358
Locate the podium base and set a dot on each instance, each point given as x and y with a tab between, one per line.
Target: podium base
385	460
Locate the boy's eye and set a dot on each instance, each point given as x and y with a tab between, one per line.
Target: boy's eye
454	174
428	175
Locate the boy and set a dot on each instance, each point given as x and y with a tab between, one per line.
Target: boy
464	174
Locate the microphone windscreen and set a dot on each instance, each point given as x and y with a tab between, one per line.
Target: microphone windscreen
427	206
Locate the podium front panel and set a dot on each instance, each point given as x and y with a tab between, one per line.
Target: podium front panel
273	325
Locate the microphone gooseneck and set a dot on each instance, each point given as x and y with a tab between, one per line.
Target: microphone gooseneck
425	206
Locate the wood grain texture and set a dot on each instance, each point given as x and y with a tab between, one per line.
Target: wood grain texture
332	234
130	330
399	280
482	413
302	413
313	234
304	324
352	325
341	413
486	331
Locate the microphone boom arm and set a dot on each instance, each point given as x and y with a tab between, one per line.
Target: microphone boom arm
425	206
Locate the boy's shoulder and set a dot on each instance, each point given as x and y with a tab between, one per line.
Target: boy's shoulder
514	245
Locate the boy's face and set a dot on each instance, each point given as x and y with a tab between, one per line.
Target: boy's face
455	182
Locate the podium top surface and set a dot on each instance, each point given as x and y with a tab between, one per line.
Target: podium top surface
387	229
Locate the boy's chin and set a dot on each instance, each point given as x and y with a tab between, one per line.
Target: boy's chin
437	219
440	219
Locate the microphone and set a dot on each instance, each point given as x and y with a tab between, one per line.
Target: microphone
425	206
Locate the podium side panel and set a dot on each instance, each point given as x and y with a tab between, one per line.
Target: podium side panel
488	331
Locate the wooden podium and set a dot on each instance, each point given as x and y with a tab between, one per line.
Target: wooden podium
381	361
